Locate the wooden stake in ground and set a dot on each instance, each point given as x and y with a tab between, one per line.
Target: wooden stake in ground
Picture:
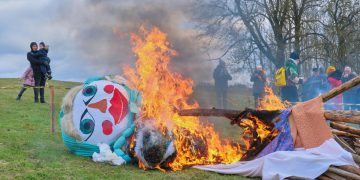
52	107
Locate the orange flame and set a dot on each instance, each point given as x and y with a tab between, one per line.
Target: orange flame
164	91
272	102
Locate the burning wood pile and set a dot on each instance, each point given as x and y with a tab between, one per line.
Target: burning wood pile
164	133
165	98
343	123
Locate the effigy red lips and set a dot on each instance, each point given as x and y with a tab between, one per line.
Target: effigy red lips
119	106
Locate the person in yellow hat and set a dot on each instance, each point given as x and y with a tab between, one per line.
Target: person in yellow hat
334	78
330	69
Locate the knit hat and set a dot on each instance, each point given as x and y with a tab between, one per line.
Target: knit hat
330	69
294	56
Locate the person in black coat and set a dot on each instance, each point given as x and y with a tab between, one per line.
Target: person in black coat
221	77
259	80
38	67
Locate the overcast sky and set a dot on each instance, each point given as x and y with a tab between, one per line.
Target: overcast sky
81	38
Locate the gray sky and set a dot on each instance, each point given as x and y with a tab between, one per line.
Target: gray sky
81	38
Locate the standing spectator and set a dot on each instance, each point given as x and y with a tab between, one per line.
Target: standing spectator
289	92
259	80
221	77
325	85
28	81
38	67
334	77
349	96
312	85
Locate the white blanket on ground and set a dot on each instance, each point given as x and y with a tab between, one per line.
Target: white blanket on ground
309	163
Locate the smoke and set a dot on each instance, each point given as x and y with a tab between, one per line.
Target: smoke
99	32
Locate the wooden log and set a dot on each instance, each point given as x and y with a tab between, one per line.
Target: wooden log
357	150
343	116
324	177
340	89
342	133
336	116
297	178
334	176
356	158
356	144
346	174
268	117
344	145
210	112
350	168
345	128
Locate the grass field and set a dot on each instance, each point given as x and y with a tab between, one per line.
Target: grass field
28	150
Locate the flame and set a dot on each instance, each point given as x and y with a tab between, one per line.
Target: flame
163	91
272	102
261	133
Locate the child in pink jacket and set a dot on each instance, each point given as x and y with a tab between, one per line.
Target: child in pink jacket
28	81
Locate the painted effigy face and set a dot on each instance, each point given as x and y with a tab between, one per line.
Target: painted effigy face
100	111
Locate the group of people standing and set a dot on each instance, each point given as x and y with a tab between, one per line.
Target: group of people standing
319	82
38	72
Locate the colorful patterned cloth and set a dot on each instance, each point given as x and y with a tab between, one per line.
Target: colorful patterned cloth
284	141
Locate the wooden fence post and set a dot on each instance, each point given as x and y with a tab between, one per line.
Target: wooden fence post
52	108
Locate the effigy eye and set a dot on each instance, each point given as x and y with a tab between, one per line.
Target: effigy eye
87	126
89	91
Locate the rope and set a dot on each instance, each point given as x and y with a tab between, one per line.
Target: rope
27	87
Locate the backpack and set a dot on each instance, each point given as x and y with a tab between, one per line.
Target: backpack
280	77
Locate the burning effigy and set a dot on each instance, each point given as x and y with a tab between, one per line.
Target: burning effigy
145	117
116	120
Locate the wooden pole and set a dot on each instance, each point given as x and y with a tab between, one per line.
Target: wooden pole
52	108
210	112
340	89
336	116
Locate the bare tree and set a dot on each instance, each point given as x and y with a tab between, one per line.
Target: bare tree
252	32
342	29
